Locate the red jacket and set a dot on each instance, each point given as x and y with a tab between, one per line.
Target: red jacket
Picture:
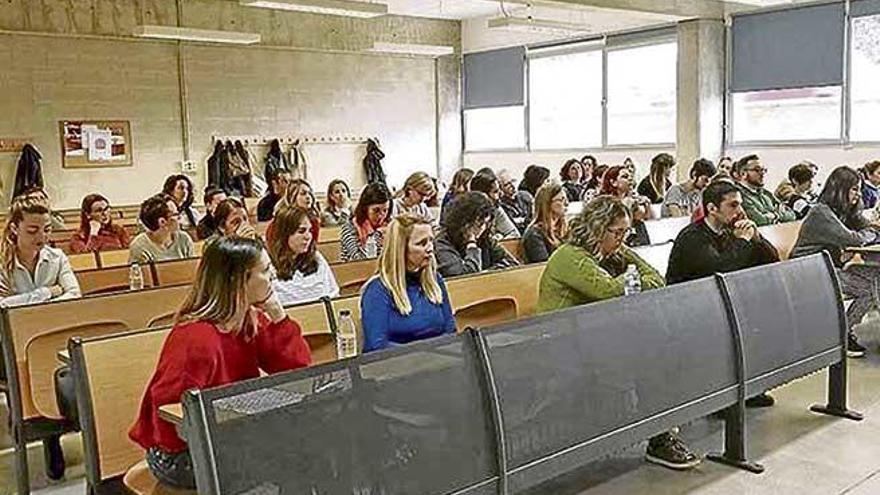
108	238
198	355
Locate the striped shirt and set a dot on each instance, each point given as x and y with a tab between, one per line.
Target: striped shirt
350	247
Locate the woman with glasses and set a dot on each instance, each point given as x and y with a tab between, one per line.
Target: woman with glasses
465	243
97	232
412	199
591	267
549	228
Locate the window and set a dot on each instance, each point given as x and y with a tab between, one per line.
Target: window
642	94
864	87
494	128
787	114
565	100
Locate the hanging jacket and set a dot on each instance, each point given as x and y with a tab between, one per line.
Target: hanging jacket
297	160
29	173
275	161
217	174
373	163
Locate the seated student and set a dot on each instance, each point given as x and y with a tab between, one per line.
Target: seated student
485	181
232	220
97	232
518	205
208	224
407	299
302	272
299	193
465	243
163	239
418	188
591	267
361	237
618	182
533	178
231	325
461	183
682	199
725	166
759	204
39	195
725	240
655	185
549	228
338	207
571	173
833	224
870	173
180	188
589	164
797	191
32	271
277	189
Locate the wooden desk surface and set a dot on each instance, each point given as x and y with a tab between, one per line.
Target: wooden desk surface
873	248
173	413
64	356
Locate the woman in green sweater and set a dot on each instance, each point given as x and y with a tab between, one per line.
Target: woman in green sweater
590	267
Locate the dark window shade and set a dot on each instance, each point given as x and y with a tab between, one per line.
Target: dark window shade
864	7
494	78
794	48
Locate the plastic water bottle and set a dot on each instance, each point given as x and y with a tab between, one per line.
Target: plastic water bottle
371	248
135	277
632	284
346	337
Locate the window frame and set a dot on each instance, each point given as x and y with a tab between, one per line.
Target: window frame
592	44
845	138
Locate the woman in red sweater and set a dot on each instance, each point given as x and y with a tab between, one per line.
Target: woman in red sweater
230	326
97	232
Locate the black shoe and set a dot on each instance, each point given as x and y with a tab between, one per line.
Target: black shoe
669	451
853	348
763	400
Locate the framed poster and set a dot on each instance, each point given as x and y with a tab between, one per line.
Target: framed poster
95	143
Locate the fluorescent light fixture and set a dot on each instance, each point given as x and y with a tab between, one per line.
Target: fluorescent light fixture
412	49
192	34
532	25
330	7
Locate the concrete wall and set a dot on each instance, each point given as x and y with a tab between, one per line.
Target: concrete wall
77	60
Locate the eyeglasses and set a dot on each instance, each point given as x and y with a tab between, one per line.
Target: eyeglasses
621	233
760	170
101	210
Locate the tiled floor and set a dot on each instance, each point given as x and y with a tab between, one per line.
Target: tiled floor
804	453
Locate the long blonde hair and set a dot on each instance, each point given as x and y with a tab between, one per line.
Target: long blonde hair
392	264
294	189
219	291
21	206
418	181
590	226
554	229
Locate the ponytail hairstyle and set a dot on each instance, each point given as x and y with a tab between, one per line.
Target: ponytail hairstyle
21	206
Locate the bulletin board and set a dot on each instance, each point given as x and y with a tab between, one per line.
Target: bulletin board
95	143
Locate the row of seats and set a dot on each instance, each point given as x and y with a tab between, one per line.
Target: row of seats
33	335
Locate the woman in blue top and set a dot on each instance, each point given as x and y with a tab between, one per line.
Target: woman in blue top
407	299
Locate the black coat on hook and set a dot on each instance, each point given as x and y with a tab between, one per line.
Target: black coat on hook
30	170
373	163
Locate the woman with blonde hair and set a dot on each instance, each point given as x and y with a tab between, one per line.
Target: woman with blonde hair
302	273
407	299
412	199
461	183
231	325
591	267
549	228
32	271
655	185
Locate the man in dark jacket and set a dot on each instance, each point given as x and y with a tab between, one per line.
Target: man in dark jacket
724	241
208	224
